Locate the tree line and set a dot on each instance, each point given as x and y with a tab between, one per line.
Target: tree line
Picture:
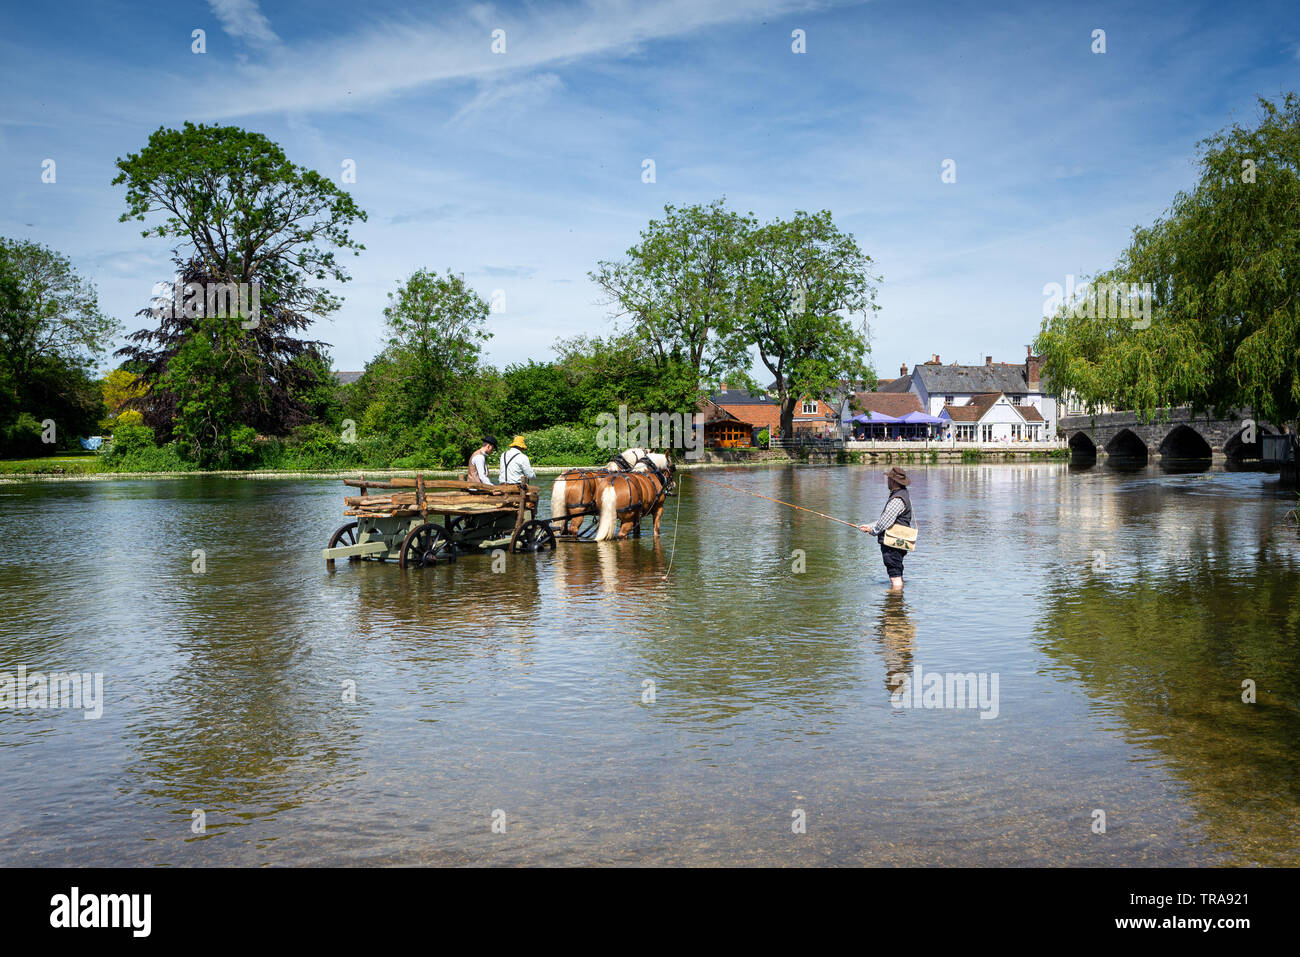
703	292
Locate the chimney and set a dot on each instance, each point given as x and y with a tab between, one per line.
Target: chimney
902	370
1032	363
936	358
988	360
722	386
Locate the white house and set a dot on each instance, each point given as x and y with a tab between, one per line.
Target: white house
994	418
940	386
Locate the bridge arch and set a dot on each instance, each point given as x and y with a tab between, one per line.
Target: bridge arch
1184	443
1127	446
1236	449
1081	444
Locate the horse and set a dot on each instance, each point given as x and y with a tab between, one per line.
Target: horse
627	497
576	492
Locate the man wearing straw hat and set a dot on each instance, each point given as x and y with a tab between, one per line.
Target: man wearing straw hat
514	463
898	511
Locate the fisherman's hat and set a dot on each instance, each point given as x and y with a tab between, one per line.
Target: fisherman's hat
519	443
899	476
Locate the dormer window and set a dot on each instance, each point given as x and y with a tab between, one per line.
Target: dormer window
809	408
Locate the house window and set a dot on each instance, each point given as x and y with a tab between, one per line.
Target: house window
1015	432
987	431
1015	399
965	433
809	408
947	399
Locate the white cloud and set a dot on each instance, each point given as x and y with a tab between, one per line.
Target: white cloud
533	89
243	20
393	58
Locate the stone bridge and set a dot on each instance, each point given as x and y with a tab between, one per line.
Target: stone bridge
1180	436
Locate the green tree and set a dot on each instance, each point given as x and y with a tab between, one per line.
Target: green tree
678	289
1224	268
431	393
51	334
247	211
803	281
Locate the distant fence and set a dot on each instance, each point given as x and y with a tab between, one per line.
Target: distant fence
806	442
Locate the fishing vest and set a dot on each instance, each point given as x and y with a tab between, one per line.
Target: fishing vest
904	517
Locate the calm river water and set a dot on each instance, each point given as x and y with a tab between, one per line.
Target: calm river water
1120	613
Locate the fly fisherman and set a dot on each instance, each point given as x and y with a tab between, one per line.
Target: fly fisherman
898	511
478	471
515	466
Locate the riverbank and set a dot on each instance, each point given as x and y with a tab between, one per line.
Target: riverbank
711	459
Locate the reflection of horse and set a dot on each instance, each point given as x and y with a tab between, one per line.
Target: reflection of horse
627	497
576	492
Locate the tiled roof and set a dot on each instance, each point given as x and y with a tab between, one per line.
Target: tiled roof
346	378
890	403
999	377
980	404
740	397
901	384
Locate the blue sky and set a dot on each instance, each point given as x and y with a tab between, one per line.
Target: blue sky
522	169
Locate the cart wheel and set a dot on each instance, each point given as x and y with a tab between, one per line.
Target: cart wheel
426	545
345	535
456	525
534	536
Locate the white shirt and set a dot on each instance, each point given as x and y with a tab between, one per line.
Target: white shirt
514	466
478	469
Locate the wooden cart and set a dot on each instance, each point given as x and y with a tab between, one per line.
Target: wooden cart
421	522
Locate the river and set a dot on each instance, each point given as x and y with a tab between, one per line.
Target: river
581	708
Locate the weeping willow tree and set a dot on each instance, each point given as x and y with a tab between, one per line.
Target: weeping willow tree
1207	313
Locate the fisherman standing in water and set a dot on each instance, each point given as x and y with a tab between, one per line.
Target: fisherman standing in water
898	511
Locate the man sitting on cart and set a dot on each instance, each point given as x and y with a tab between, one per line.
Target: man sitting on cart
515	466
478	471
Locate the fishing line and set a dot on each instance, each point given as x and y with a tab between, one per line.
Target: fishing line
778	501
672	552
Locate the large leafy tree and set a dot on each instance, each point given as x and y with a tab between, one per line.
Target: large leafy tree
1224	267
678	290
241	212
245	211
209	376
430	393
51	334
803	282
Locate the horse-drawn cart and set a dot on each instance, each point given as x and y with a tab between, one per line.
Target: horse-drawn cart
472	517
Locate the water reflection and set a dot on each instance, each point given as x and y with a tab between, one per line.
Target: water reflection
896	638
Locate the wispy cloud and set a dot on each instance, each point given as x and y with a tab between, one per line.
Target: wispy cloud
397	57
243	20
531	90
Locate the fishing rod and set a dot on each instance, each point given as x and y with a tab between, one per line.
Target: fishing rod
777	500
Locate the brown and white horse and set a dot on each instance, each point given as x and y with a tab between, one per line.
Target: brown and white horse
576	492
627	497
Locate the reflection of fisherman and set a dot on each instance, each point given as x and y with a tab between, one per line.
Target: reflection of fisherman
898	511
478	461
897	637
514	463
